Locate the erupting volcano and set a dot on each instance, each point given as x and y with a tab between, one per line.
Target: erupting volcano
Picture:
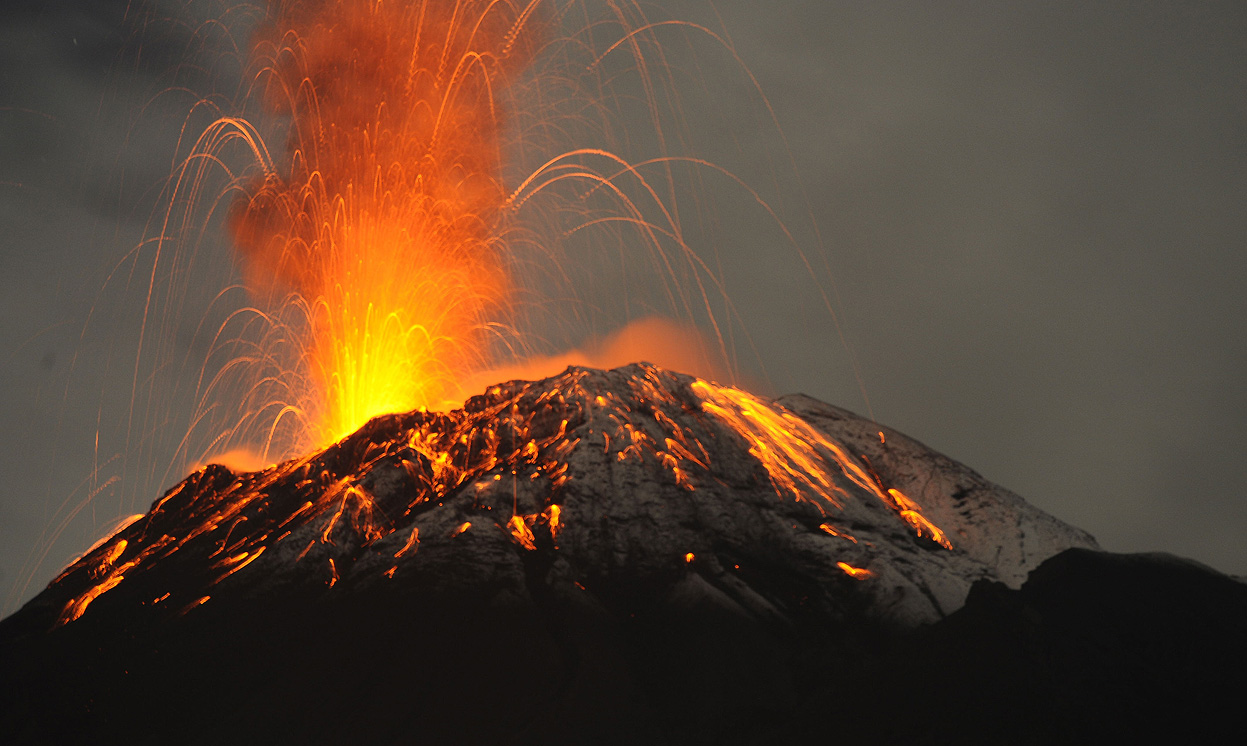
426	181
710	471
615	556
634	555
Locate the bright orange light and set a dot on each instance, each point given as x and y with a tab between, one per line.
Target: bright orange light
801	460
830	529
551	514
522	533
857	573
463	448
385	222
912	514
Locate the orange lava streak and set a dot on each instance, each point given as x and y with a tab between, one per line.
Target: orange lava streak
857	573
521	532
832	530
551	514
79	605
235	518
912	514
385	223
801	459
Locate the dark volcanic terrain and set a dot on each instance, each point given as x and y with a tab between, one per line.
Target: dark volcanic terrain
626	556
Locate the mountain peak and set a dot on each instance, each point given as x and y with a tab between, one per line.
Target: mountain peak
635	475
621	556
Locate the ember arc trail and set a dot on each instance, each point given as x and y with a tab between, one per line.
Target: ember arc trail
384	221
441	161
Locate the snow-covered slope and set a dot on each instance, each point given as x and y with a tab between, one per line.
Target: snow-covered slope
635	476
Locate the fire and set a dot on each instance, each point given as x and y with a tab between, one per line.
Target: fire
385	221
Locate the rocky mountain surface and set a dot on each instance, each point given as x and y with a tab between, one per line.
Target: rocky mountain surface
602	557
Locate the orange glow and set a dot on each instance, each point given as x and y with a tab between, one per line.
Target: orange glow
522	533
78	606
193	604
827	527
384	223
857	573
800	459
912	514
238	459
466	448
412	540
661	342
106	562
551	514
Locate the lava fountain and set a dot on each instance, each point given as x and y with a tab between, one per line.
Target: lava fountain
385	221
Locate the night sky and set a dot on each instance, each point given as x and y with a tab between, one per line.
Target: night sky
1032	214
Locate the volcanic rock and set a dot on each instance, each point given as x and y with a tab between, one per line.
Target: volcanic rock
599	557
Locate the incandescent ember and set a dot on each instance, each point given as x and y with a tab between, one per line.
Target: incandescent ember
623	556
635	471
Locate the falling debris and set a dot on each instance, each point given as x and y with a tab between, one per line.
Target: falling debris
361	508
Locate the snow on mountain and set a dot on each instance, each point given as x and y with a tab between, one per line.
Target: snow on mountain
634	475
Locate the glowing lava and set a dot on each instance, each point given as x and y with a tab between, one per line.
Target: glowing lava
386	226
326	510
384	223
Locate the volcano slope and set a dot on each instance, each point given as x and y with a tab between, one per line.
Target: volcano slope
615	557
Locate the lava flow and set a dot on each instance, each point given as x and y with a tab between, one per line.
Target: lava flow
504	464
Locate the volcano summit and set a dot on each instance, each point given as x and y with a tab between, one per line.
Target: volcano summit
630	555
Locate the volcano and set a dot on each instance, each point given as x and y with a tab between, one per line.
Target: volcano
623	556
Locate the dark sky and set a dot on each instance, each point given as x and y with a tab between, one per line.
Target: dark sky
1033	216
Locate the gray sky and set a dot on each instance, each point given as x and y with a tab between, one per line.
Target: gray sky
1033	214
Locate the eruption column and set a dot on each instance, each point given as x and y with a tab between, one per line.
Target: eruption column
384	225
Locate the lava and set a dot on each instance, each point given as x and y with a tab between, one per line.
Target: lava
388	226
802	461
322	508
385	221
857	573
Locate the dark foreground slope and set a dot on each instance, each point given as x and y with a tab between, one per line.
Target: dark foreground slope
610	557
1096	648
